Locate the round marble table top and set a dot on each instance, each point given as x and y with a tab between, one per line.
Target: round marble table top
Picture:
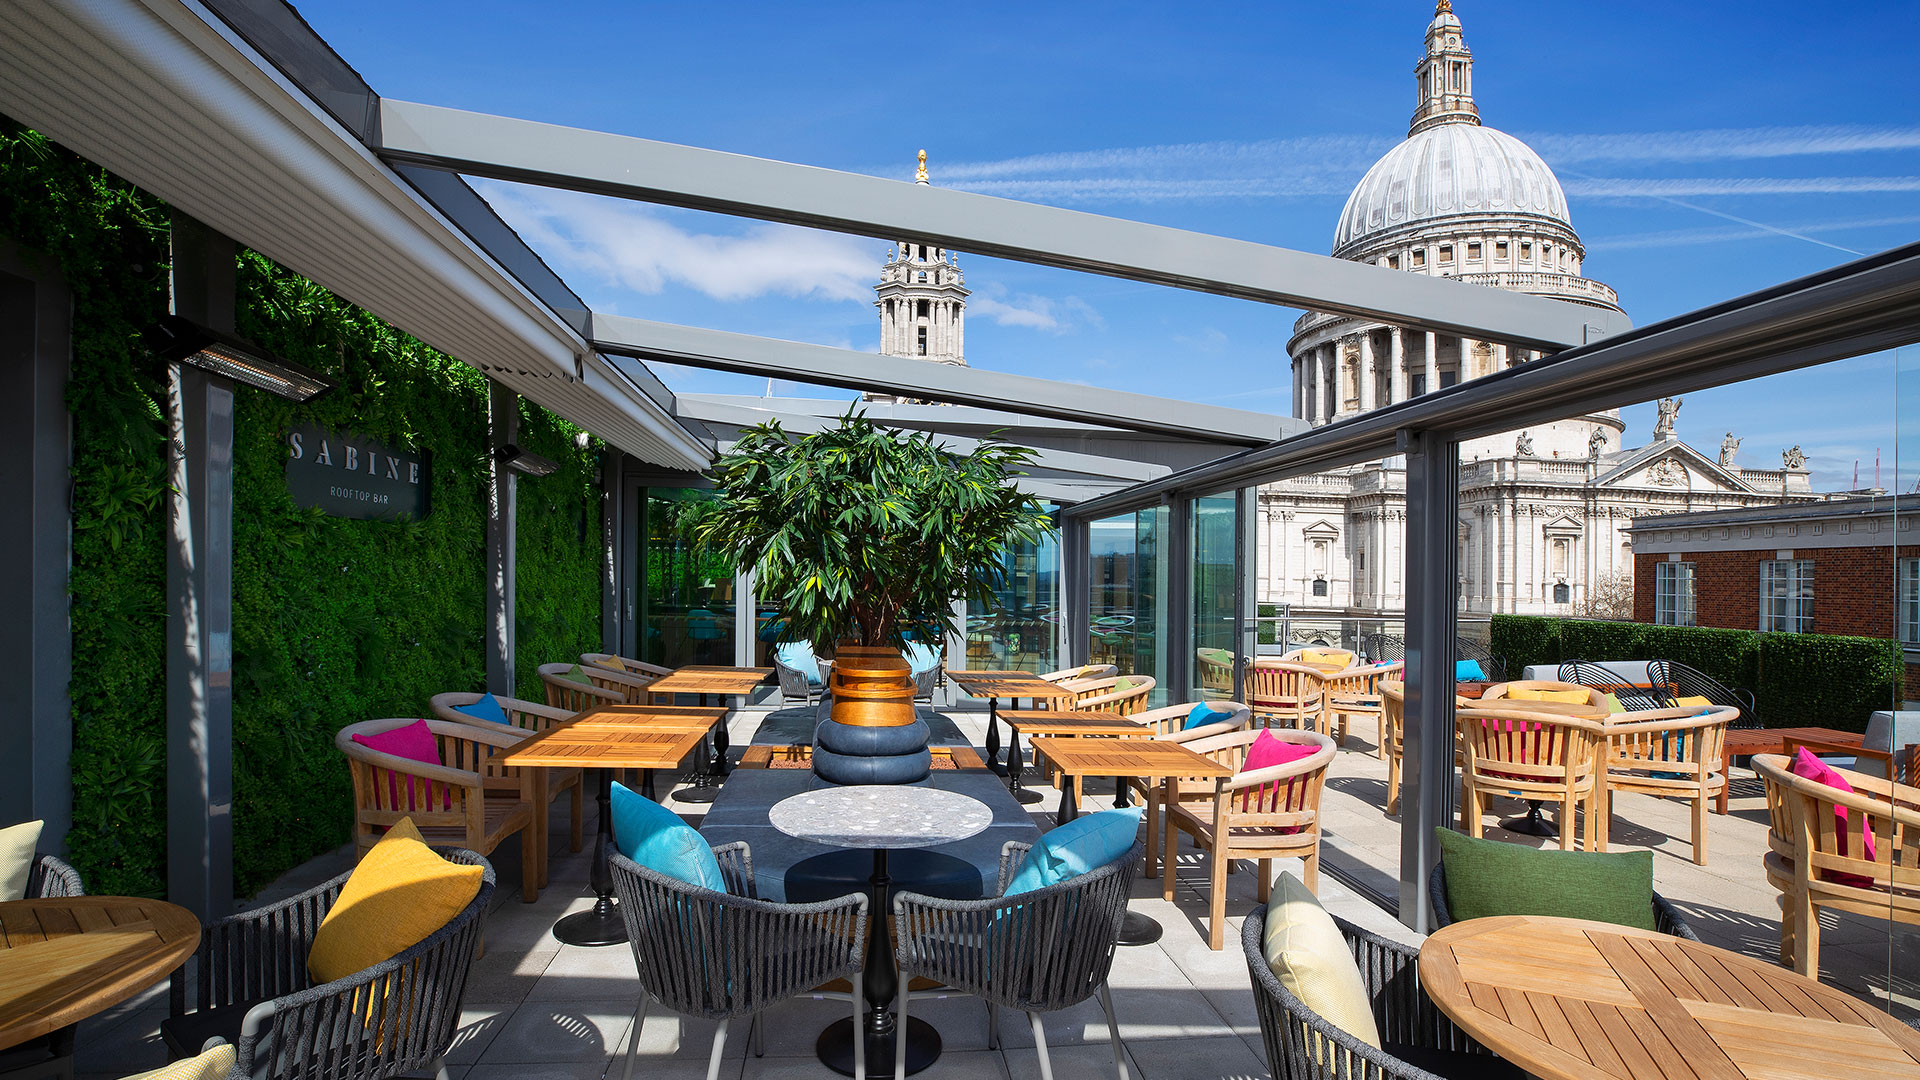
881	816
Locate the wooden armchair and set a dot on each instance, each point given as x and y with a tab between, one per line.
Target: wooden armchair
1293	694
1592	696
1817	862
548	784
1126	697
1084	671
1356	691
1543	757
1393	720
1322	657
1266	814
1674	753
1169	724
630	685
624	663
449	802
565	693
1214	667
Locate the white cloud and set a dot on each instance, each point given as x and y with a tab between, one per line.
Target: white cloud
1667	187
1685	237
1722	144
994	302
630	246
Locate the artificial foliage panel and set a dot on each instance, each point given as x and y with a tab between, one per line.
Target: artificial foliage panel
335	620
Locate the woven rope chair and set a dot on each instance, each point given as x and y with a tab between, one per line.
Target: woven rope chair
1264	814
49	1056
565	693
1538	756
1294	695
1494	666
449	802
1038	951
1169	725
1084	671
624	663
1302	1045
50	876
722	956
1692	682
1669	753
1666	918
248	983
548	784
1356	692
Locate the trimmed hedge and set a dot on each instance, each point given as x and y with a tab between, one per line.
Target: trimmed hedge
334	620
1798	680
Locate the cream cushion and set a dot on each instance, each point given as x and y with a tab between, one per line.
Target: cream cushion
213	1063
1311	959
17	844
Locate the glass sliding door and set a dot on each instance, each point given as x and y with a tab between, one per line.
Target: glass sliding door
1126	560
686	611
1216	524
1023	632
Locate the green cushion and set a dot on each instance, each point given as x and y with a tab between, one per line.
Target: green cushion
1487	877
1612	702
574	674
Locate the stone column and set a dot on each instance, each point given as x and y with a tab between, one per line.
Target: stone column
1332	402
1397	367
1432	363
1368	374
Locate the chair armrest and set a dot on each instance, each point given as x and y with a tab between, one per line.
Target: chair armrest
1012	854
736	866
51	876
260	952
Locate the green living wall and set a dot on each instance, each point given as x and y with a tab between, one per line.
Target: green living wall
1798	680
334	620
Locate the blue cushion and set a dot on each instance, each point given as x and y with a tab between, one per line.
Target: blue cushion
1468	671
921	657
656	838
798	655
487	708
1204	714
1083	844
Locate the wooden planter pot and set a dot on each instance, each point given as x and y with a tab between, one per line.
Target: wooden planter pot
871	687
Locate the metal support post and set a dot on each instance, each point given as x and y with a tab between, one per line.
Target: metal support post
1246	585
1076	589
610	565
1432	558
503	427
1177	644
200	589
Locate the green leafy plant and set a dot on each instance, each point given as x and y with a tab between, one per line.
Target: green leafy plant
869	535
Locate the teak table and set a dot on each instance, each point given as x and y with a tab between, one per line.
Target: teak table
1746	742
644	737
1567	999
722	682
994	685
1059	722
65	959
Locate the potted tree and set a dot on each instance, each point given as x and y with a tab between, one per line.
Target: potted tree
866	537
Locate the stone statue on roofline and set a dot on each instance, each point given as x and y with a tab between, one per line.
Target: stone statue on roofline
1729	446
1597	443
1669	411
1523	446
1792	459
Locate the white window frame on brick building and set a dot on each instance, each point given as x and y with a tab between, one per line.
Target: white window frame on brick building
1907	614
1786	596
1675	594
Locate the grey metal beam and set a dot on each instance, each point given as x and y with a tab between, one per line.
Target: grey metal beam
1860	307
1426	785
720	412
825	365
554	156
200	588
503	424
1076	590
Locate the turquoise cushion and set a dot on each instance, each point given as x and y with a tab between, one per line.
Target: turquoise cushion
921	657
656	838
1468	671
1204	714
798	655
1083	844
487	708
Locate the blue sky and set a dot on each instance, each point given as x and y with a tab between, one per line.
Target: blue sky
1707	149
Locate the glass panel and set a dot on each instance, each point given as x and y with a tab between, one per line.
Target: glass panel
1126	610
686	606
1215	522
1024	633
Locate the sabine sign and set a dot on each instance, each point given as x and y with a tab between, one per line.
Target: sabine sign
345	475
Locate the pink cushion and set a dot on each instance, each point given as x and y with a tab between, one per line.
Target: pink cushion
415	743
1812	768
1267	752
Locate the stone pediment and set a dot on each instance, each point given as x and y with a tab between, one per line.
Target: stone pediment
1669	464
1563	524
1321	530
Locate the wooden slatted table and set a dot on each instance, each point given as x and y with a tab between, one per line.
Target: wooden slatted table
1058	722
1013	685
65	959
1565	998
1147	759
644	737
1746	742
721	682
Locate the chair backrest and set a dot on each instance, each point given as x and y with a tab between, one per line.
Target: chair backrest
1536	747
1126	697
1279	795
387	788
525	715
50	876
1273	682
1169	722
565	693
1084	671
1652	693
1380	647
1362	682
1692	682
1215	668
715	955
1674	744
623	663
1506	689
1798	806
1343	657
1468	649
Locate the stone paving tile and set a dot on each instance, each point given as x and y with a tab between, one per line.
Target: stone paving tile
547	1031
1219	1058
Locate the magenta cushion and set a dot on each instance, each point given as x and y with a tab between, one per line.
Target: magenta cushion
1812	768
415	743
1265	753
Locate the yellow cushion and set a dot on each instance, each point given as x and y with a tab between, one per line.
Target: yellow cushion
212	1064
1315	656
1310	958
1575	697
17	843
399	895
1695	702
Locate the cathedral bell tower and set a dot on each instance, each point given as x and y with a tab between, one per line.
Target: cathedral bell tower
922	299
1445	75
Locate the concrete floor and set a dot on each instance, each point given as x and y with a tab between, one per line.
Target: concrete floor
540	1010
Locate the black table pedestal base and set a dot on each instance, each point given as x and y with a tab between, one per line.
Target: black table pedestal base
1138	929
1531	824
835	1048
597	926
697	794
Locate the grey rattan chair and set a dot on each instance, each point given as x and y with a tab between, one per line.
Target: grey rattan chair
247	983
1301	1045
720	956
1038	951
1383	647
49	1057
51	876
1666	918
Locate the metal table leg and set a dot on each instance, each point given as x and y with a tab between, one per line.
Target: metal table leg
1014	767
600	924
877	1027
706	782
993	737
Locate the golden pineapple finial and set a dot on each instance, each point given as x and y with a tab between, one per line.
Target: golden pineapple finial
920	174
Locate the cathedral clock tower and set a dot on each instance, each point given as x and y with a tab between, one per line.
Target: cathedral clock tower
922	299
